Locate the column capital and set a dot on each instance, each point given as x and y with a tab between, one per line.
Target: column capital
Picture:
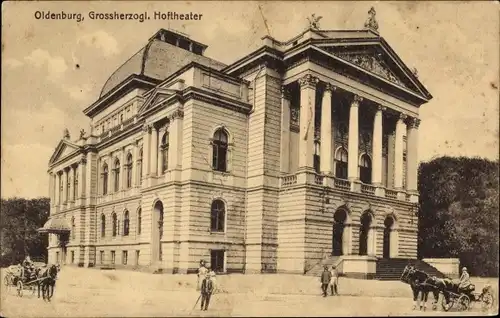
308	81
146	128
381	108
330	88
414	122
178	113
285	92
402	117
356	100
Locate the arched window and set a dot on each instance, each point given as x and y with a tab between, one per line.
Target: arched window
316	159
341	163
365	169
164	152
219	144
129	170
105	173
115	224
117	175
126	223
139	166
217	216
103	225
139	221
73	228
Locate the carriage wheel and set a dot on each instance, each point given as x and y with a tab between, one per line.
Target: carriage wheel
20	288
487	301
446	305
464	302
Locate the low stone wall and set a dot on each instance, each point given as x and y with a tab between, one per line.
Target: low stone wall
448	266
355	266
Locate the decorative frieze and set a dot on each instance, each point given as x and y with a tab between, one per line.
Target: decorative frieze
413	122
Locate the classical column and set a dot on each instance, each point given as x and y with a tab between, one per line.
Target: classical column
154	152
326	162
353	146
146	151
285	131
412	154
377	147
123	173
175	143
74	192
398	152
111	166
159	167
58	188
65	186
307	108
135	157
82	167
51	189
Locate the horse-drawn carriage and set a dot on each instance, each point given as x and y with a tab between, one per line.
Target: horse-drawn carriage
21	279
453	293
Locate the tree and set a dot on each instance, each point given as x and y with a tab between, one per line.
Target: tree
458	214
19	221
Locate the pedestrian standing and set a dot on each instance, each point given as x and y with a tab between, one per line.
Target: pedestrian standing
202	272
334	281
325	280
207	289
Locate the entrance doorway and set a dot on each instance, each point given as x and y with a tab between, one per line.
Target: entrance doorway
339	219
388	226
364	230
157	232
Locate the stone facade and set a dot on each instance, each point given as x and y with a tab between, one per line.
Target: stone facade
265	165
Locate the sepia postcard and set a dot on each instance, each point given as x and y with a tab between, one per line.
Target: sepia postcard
249	158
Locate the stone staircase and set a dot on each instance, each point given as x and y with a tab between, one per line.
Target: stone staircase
317	269
392	268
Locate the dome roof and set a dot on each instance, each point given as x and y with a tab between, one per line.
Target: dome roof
157	60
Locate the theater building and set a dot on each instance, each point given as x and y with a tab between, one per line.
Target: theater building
302	150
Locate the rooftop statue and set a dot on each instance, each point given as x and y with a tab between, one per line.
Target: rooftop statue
82	133
66	134
314	21
371	23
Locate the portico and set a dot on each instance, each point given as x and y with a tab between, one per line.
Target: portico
327	123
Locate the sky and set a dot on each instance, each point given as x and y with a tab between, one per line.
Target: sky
53	69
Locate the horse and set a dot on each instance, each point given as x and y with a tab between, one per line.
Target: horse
47	280
423	284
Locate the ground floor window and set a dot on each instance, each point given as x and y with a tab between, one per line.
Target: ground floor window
113	257
101	257
124	257
137	253
72	257
217	260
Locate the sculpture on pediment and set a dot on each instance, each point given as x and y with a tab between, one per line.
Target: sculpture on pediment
415	71
371	23
82	133
66	134
314	21
372	64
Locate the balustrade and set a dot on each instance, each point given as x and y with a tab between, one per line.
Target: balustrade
367	188
391	194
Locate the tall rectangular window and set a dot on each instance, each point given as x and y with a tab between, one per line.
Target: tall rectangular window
124	257
113	257
101	257
217	260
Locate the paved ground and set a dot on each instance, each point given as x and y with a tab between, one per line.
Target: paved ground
89	292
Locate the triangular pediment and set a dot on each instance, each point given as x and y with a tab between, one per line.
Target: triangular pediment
156	97
64	149
377	59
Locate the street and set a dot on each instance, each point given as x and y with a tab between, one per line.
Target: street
91	292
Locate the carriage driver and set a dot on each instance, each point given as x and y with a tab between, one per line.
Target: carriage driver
464	279
28	266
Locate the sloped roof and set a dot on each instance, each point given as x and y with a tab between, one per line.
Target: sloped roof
156	60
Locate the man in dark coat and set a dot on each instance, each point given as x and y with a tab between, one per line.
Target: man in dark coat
326	276
207	288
